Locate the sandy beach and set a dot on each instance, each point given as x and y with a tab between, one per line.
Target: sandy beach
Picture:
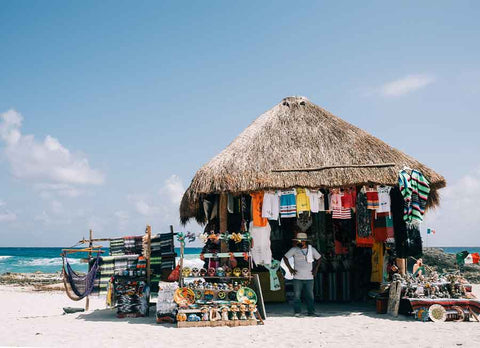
35	318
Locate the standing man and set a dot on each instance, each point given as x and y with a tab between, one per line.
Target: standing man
306	263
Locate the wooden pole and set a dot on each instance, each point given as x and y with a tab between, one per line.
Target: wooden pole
90	244
223	223
149	251
180	263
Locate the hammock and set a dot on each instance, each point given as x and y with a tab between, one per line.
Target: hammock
78	286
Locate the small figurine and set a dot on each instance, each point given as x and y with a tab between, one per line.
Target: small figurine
243	309
181	317
214	315
205	313
193	317
234	310
252	309
225	313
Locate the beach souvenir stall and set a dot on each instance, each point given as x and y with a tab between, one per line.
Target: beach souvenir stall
127	275
299	168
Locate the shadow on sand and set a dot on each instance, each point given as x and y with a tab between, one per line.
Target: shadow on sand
324	310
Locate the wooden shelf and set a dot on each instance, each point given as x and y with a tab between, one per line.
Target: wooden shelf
248	322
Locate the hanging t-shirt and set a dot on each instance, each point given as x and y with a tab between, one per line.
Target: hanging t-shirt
260	250
349	198
271	206
338	212
383	199
335	201
257	203
317	201
303	202
288	205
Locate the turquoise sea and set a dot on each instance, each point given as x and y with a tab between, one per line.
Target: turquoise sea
48	260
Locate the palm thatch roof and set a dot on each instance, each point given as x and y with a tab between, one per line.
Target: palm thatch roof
297	134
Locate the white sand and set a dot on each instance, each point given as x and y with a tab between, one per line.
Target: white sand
35	319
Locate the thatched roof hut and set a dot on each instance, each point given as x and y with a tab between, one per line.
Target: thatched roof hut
296	135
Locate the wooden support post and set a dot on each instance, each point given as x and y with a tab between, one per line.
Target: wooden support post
223	220
402	266
148	232
90	244
180	263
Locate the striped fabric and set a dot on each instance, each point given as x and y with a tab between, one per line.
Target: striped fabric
415	189
288	204
342	214
420	192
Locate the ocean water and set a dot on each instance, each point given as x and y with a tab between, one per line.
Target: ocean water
48	260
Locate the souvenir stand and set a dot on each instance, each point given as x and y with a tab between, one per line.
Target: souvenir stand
216	296
299	168
124	275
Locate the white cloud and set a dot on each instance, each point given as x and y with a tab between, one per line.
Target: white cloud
406	85
65	190
46	161
457	221
173	189
7	216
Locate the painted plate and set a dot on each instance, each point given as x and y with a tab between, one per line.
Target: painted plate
437	313
422	314
246	295
221	295
184	297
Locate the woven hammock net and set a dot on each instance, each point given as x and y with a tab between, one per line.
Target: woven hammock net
77	285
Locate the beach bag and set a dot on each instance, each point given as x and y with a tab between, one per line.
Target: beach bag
174	275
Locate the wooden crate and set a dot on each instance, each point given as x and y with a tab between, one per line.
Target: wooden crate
231	323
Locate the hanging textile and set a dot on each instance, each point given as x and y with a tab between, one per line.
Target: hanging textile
364	216
288	205
420	191
272	269
303	201
319	231
317	201
383	199
261	251
81	285
257	203
377	263
399	225
372	198
271	205
382	227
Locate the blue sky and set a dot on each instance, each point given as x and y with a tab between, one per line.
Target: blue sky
108	108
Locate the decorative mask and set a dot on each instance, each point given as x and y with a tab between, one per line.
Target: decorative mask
228	272
220	272
186	272
203	272
211	272
195	271
245	272
237	272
